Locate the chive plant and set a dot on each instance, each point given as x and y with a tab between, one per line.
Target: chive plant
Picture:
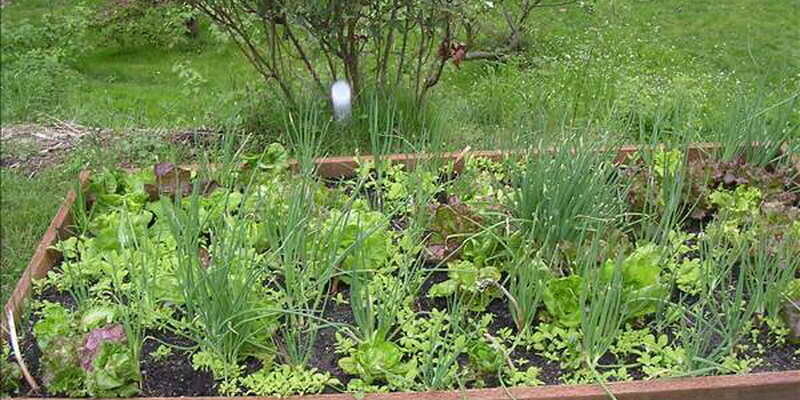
565	193
710	329
603	309
82	213
769	267
381	139
305	269
756	130
526	280
307	132
223	314
374	308
664	208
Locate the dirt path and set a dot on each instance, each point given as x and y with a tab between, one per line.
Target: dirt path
32	147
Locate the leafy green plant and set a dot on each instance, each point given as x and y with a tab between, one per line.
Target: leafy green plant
162	352
55	321
287	380
436	342
641	286
61	368
656	355
477	286
363	238
10	373
562	297
452	225
556	343
739	203
376	360
113	372
75	363
485	358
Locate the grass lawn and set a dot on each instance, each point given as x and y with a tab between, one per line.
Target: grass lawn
628	66
27	206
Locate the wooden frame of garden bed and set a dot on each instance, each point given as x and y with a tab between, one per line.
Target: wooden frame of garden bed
783	385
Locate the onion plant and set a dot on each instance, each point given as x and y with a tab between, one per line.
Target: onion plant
526	279
224	313
374	306
305	269
565	193
664	209
769	268
757	130
307	132
710	329
381	139
603	309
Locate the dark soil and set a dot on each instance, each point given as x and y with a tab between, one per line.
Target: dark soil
182	379
324	357
776	357
550	372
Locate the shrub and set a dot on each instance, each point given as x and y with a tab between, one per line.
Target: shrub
146	23
63	35
33	83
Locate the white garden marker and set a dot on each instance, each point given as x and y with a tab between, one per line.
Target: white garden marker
341	97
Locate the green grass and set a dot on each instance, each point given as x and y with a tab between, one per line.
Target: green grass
27	205
138	87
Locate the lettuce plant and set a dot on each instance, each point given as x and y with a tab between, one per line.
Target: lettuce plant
286	380
55	322
561	297
376	360
642	289
10	373
61	367
477	285
113	372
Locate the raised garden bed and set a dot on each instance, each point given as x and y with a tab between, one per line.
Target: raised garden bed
462	271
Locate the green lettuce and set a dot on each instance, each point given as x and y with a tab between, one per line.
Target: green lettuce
562	298
640	278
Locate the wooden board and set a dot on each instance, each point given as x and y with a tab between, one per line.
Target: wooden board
764	386
342	167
